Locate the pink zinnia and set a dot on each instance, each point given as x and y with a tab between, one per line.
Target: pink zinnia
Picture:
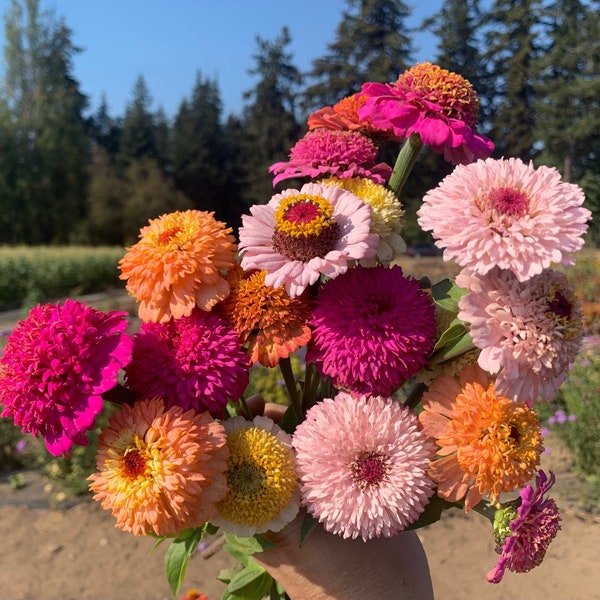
373	329
362	464
56	365
193	362
438	105
332	153
529	332
300	235
536	524
508	214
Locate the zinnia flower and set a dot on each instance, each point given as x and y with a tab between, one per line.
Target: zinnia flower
488	444
373	329
332	153
269	323
508	214
193	362
530	531
440	106
300	235
362	463
263	492
55	366
529	332
386	214
160	470
177	265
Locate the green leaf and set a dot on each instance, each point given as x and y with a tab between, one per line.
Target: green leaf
251	583
289	421
433	512
178	556
452	343
446	294
245	545
308	524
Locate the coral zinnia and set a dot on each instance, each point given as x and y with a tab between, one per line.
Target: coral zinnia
177	265
529	332
193	362
263	492
373	329
386	214
440	106
508	214
160	470
56	364
362	463
488	443
522	544
332	153
300	235
270	323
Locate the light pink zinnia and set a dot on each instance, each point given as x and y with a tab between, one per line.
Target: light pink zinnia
536	524
56	365
508	214
529	332
362	464
438	105
193	362
300	235
332	153
373	329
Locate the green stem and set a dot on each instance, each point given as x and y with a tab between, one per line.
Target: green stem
247	412
290	383
311	386
407	157
415	395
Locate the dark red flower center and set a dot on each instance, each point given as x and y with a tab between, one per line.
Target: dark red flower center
560	306
302	212
166	236
370	469
133	464
509	201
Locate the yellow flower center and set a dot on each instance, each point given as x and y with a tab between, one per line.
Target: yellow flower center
260	475
450	91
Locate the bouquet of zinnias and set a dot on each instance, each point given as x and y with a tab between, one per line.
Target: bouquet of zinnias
411	398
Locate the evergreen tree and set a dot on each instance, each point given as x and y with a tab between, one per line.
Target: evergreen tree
371	45
106	130
513	43
271	127
43	115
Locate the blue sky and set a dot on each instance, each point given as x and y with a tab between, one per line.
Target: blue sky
169	42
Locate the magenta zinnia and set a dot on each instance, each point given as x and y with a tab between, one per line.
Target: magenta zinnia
508	214
438	105
340	154
529	332
373	329
300	235
160	470
193	362
56	365
362	463
523	543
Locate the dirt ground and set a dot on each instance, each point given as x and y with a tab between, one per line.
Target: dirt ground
73	552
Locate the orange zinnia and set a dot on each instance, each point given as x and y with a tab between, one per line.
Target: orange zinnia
488	444
177	265
270	324
160	470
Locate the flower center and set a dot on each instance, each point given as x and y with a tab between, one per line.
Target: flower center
245	479
304	227
370	468
133	464
450	91
509	201
166	236
560	306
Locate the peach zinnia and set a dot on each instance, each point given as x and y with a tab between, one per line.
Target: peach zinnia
160	471
177	265
488	444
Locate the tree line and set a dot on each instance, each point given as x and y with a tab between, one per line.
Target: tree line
68	176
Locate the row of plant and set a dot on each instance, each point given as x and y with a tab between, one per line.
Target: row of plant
30	274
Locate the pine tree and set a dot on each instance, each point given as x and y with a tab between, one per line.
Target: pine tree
371	45
44	117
